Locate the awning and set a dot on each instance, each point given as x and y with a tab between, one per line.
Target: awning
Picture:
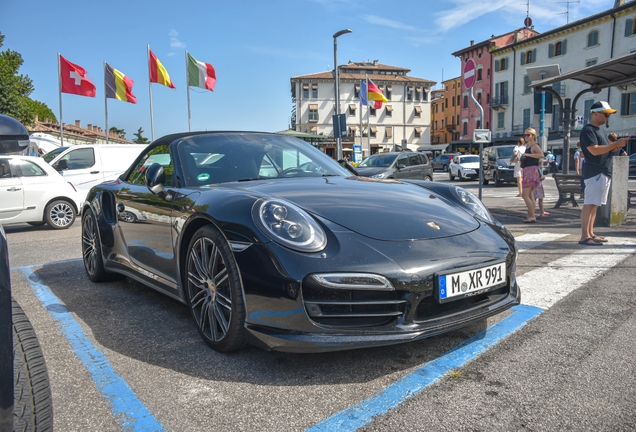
357	87
353	106
314	129
306	86
353	127
432	147
389	108
418	129
374	129
389	88
418	109
389	131
313	106
347	150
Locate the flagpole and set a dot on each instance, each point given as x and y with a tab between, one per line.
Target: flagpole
366	76
152	123
188	92
59	84
105	104
360	125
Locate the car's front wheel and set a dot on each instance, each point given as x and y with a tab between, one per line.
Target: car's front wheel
214	291
497	180
59	214
445	168
450	175
92	251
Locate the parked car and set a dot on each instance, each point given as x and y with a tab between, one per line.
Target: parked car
396	165
25	398
497	166
88	165
632	165
32	191
442	162
296	259
464	167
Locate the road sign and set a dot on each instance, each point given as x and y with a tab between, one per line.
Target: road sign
469	74
481	136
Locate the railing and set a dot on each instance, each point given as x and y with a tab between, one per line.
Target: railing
498	101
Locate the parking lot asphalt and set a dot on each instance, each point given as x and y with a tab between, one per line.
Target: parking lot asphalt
568	367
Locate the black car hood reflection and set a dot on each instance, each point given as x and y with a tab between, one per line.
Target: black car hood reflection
382	210
371	171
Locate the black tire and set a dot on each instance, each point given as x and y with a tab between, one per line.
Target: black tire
428	178
445	168
33	406
484	181
214	292
92	251
59	214
496	179
36	223
451	176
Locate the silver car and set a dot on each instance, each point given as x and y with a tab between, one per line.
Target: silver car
397	165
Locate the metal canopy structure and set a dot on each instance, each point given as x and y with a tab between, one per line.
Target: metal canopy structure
615	72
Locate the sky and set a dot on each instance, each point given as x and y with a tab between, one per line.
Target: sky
255	46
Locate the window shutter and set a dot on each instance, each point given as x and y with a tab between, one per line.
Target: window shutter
629	26
497	92
523	58
496	65
551	50
534	55
564	46
624	106
505	90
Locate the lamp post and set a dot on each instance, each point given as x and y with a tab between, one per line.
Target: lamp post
337	91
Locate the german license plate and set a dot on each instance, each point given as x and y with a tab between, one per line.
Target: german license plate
472	282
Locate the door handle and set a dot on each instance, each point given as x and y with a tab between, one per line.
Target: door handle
94	172
14	189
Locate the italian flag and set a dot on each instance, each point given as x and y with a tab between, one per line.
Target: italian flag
201	74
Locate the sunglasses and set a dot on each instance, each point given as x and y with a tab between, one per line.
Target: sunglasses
603	114
528	135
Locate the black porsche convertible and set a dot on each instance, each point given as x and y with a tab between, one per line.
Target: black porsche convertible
270	242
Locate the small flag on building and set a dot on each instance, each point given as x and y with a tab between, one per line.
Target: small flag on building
158	73
74	80
118	86
201	74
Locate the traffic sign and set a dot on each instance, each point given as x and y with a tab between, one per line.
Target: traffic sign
469	74
481	136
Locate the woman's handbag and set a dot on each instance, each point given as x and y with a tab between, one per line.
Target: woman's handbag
523	161
514	158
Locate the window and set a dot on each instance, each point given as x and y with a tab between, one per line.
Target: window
557	49
418	132
477	123
452	101
529	56
590	62
389	111
435	125
501	116
479	98
80	158
628	103
27	169
501	93
458	100
372	112
418	94
465	127
424	95
501	64
314	91
409	93
526	118
352	109
479	74
388	131
418	111
313	112
374	131
389	91
442	125
592	38
352	131
526	85
356	91
160	155
305	91
630	27
465	101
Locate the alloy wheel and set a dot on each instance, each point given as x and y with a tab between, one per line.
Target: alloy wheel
61	214
89	245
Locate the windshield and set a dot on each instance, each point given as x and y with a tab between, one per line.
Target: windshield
53	154
468	159
505	152
228	157
378	160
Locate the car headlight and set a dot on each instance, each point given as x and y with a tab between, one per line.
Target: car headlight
379	176
289	225
473	204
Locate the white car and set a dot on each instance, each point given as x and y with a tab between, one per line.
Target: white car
464	167
32	191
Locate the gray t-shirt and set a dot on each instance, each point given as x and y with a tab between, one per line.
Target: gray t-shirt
594	165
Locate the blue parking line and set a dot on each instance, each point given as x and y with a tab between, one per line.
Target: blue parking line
363	413
131	413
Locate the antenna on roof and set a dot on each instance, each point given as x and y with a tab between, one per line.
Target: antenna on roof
567	10
528	21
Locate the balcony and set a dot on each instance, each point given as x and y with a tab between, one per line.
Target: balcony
498	102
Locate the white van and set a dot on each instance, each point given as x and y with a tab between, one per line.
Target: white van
88	165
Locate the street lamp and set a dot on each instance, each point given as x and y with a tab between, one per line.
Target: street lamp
337	88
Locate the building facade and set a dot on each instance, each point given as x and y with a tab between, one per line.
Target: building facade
574	46
403	122
437	116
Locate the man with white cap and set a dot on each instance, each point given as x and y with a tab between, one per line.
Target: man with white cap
596	171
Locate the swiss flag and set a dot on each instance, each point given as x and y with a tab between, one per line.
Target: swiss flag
74	79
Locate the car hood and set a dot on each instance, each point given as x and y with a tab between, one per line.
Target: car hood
504	162
470	165
383	210
371	171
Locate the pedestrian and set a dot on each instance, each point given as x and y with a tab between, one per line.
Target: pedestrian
596	171
519	149
620	152
530	162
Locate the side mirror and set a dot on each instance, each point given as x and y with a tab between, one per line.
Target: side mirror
155	179
61	165
13	135
400	166
345	164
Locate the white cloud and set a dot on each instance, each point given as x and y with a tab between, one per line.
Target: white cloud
374	19
176	43
173	33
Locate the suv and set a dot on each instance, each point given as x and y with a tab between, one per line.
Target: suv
442	162
497	166
397	165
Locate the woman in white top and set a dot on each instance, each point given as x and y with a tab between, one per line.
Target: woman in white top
518	151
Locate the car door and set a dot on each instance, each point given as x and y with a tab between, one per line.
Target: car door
83	168
401	160
149	239
11	192
416	167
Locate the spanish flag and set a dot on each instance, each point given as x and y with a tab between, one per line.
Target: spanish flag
158	73
118	85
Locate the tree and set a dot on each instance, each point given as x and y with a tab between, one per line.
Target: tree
42	110
120	132
139	138
15	89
